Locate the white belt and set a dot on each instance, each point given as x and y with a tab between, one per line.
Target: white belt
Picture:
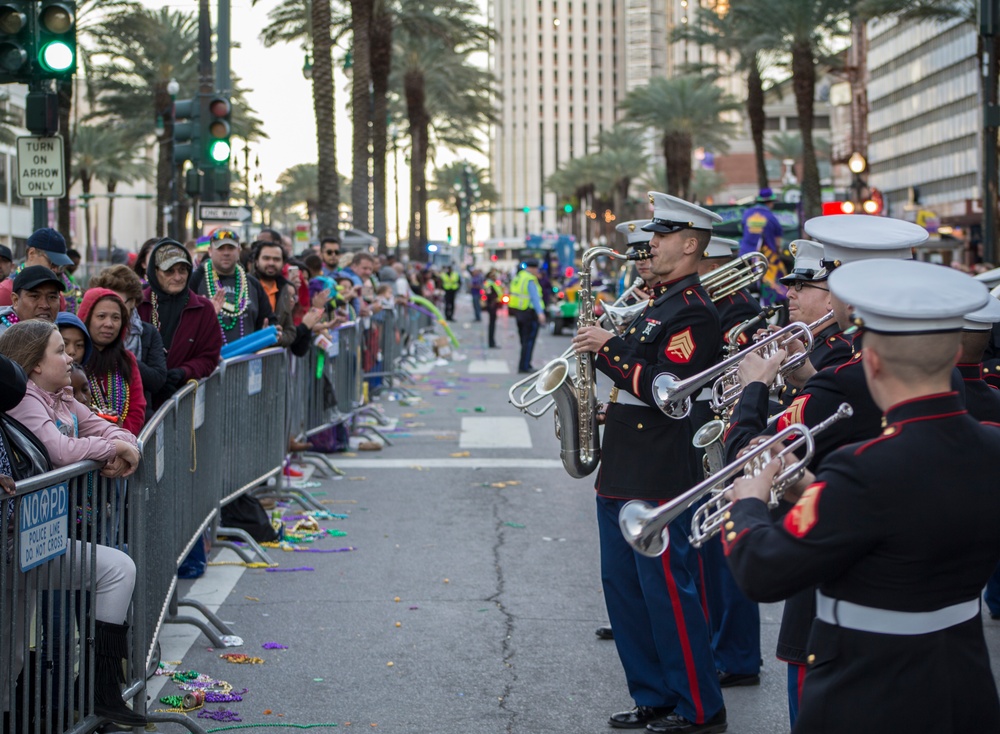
623	397
890	622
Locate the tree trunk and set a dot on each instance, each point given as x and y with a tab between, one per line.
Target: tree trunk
85	179
361	110
183	203
112	185
804	84
329	194
65	92
413	85
677	148
757	118
381	63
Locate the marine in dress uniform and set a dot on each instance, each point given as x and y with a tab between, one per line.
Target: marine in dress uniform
734	620
653	604
991	357
845	239
884	527
808	302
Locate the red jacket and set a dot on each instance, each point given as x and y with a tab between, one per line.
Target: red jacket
198	339
135	411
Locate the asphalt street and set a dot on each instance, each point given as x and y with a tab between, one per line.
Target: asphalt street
471	595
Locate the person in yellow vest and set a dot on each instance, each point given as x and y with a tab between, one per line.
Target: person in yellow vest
526	305
450	282
494	292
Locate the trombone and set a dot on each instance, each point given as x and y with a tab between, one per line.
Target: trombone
645	526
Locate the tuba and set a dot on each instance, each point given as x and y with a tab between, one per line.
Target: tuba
572	392
734	275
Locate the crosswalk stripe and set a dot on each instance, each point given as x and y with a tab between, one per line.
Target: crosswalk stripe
488	367
495	433
465	463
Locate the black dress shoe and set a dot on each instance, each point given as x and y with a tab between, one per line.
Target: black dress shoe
638	717
677	724
732	680
604	633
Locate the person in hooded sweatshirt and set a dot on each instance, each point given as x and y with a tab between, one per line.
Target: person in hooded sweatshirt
112	370
186	321
70	432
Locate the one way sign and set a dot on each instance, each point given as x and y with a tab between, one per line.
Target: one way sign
224	213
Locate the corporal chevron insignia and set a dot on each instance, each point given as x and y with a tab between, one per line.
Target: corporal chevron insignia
804	516
681	347
795	413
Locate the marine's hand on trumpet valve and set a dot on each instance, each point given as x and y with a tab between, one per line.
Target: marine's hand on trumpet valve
760	485
755	368
590	339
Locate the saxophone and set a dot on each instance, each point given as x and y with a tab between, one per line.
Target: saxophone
572	388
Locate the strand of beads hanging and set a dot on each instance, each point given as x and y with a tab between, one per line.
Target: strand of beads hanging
110	397
236	303
155	310
9	319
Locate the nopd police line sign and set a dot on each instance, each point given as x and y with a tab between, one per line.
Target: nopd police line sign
40	171
42	525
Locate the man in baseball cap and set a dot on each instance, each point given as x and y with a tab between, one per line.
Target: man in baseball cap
6	261
36	296
46	247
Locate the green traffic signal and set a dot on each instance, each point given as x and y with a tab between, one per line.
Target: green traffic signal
568	208
56	51
217	130
526	209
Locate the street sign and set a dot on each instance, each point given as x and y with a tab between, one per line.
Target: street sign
224	213
40	171
42	525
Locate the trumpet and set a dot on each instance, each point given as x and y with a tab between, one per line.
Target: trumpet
734	275
673	396
645	526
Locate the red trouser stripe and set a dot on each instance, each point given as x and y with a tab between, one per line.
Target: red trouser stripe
701	590
800	679
682	634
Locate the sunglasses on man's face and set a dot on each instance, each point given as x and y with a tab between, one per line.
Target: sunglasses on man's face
331	252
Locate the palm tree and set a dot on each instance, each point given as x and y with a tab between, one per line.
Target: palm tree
141	51
785	146
621	158
687	113
743	44
361	113
445	186
300	185
314	23
125	165
804	29
445	95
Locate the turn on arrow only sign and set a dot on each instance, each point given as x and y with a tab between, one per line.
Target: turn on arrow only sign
224	213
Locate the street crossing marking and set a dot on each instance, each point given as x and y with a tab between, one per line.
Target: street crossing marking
467	463
488	367
495	433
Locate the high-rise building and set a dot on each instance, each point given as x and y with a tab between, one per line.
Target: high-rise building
924	117
559	67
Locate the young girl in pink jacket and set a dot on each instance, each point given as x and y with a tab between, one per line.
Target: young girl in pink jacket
71	433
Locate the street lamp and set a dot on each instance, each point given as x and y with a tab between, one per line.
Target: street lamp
307	67
172	89
857	166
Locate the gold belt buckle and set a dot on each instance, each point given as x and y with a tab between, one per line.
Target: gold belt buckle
613	397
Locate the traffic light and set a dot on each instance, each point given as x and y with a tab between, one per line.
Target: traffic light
526	209
568	208
448	236
16	41
187	134
217	131
56	49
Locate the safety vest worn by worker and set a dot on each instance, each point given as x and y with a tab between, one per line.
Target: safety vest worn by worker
449	281
520	300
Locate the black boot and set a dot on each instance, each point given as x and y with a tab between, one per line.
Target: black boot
110	646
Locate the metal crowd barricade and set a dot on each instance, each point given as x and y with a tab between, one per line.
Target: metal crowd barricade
209	443
388	360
